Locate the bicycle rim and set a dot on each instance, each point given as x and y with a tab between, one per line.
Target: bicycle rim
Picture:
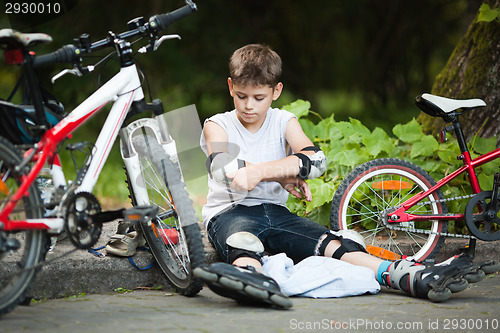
18	265
173	235
386	183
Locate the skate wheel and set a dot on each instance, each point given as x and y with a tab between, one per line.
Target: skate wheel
202	274
280	301
475	277
439	296
231	284
491	267
458	286
257	293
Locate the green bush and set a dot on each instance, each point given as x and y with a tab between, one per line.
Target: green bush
349	144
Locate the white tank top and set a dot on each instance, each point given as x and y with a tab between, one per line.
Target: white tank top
267	144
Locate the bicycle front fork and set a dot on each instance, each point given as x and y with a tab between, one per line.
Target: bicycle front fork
155	128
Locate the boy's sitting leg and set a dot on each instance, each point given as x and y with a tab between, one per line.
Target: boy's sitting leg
423	280
243	280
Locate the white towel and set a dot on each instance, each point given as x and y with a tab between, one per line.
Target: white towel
319	277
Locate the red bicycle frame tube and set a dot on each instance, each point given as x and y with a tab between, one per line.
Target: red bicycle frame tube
399	214
45	150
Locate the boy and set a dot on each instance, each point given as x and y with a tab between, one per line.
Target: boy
251	174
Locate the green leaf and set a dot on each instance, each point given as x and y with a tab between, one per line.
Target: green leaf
308	127
299	108
426	147
353	131
486	14
321	193
483	145
350	158
326	129
491	168
378	141
409	132
486	182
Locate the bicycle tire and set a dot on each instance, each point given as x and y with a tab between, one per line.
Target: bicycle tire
19	266
360	199
166	189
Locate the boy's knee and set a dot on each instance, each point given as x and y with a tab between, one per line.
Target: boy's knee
350	241
244	244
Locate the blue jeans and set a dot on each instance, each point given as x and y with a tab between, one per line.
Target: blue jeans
276	227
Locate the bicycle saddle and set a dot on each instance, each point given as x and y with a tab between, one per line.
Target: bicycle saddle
13	39
438	106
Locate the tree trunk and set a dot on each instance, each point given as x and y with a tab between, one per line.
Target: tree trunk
473	71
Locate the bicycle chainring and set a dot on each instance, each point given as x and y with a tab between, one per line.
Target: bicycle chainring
82	230
481	216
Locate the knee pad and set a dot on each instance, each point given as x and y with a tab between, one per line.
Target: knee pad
350	241
244	244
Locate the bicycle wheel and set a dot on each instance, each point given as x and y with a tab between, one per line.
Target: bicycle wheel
173	236
384	183
22	251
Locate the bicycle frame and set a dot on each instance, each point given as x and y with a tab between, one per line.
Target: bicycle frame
400	215
124	88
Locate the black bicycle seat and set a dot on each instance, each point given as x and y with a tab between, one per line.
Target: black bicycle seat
438	106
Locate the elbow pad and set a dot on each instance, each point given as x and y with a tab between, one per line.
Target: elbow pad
311	166
219	163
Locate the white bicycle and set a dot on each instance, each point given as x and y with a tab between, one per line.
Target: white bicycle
31	135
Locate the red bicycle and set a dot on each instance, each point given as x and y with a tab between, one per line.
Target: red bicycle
401	210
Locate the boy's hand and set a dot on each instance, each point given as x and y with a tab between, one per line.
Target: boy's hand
245	179
297	187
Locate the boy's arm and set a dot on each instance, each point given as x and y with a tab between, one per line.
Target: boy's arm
284	171
216	137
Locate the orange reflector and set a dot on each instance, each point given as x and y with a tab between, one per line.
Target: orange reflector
132	217
3	188
154	229
382	253
392	185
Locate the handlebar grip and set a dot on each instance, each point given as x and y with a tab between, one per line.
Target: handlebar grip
164	20
66	54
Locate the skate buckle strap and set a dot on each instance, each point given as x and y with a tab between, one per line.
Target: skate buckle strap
402	268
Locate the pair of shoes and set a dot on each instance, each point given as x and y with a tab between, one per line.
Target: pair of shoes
124	245
244	285
437	281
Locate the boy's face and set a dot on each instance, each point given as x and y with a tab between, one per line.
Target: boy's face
252	102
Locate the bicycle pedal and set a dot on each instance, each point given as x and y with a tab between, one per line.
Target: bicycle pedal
140	213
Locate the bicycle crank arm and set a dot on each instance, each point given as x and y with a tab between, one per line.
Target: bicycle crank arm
405	217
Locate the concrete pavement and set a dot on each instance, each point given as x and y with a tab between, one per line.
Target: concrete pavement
475	309
93	301
81	271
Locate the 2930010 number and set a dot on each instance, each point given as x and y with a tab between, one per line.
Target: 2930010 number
32	8
470	324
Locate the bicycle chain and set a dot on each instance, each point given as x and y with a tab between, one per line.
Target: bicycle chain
423	231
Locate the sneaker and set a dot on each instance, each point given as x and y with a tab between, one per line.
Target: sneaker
124	245
436	281
245	285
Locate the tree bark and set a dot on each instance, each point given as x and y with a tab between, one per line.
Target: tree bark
473	71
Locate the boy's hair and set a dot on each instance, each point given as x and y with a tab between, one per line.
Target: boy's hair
255	65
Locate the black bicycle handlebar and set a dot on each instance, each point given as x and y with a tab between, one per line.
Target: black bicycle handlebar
157	23
66	54
165	20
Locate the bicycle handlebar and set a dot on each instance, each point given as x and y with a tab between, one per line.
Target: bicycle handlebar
66	54
157	23
165	20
